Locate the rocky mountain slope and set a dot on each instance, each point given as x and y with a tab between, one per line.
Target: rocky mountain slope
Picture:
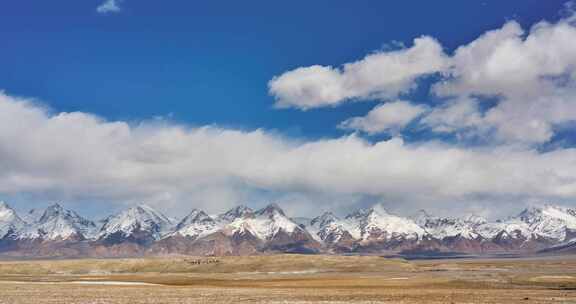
58	224
142	230
141	224
10	222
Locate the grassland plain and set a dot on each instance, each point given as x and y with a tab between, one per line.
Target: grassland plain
289	279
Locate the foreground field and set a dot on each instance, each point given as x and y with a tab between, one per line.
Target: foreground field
289	279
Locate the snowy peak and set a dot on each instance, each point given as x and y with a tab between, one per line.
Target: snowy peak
368	213
57	223
550	221
266	223
271	210
6	212
475	219
270	230
196	224
329	229
9	220
137	221
324	219
196	216
145	213
444	227
423	218
4	206
377	224
511	229
32	216
234	213
373	212
535	214
56	211
52	211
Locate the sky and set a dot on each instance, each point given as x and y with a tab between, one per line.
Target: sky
453	106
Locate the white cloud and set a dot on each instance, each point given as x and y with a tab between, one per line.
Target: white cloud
77	156
570	11
532	73
389	117
108	7
456	116
506	62
379	75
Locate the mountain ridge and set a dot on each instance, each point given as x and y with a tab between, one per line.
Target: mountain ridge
142	230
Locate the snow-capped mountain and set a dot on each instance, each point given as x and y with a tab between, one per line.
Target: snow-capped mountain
57	224
237	231
323	228
377	224
141	224
234	213
196	224
445	227
331	230
475	220
544	224
241	230
300	220
550	222
265	223
10	222
325	219
512	228
32	216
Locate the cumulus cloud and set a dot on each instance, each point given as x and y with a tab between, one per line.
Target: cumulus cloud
569	11
459	115
78	156
390	117
532	74
109	7
528	75
378	75
509	62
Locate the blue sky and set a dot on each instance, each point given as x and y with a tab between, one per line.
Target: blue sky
128	81
208	62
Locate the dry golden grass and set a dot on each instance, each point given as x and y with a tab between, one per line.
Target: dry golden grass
268	263
289	279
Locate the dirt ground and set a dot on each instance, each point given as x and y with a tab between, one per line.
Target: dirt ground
289	279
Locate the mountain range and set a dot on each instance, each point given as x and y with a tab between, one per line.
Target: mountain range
142	230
